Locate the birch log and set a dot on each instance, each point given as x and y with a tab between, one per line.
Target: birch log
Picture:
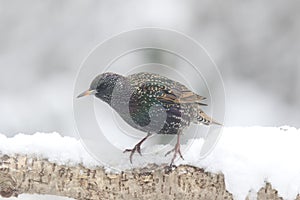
31	175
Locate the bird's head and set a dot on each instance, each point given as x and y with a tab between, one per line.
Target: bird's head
102	86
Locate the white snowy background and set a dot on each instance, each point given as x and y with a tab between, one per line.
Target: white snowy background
255	44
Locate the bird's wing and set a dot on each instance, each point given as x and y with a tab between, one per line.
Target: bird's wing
167	91
179	96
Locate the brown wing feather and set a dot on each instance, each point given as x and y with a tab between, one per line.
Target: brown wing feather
180	96
170	91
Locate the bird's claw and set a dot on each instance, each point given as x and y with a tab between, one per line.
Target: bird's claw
170	152
137	148
177	151
133	150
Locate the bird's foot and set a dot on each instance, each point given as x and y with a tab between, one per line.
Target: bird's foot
137	148
177	151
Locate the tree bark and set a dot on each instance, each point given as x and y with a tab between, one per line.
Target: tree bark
31	175
21	174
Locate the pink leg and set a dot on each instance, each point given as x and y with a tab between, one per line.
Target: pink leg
176	149
137	148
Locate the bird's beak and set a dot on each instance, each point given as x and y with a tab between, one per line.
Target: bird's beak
86	93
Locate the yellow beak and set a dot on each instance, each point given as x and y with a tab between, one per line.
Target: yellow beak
86	93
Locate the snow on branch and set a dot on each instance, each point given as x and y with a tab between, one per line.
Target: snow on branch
21	174
243	165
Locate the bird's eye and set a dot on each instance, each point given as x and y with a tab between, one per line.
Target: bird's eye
102	86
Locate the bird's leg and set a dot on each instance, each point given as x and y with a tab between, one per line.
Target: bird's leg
137	147
176	149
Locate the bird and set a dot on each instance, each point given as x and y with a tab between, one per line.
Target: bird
151	103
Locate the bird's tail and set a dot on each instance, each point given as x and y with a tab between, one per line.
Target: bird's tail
202	117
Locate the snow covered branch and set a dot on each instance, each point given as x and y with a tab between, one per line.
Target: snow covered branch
21	174
55	165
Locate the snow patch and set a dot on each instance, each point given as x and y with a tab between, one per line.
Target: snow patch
247	156
53	146
37	197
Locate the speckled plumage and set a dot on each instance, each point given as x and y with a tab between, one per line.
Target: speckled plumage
151	103
153	89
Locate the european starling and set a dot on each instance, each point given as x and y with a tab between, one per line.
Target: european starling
151	103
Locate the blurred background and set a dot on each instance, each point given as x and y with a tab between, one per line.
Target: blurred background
255	44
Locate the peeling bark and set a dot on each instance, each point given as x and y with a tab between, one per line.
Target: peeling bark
22	174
